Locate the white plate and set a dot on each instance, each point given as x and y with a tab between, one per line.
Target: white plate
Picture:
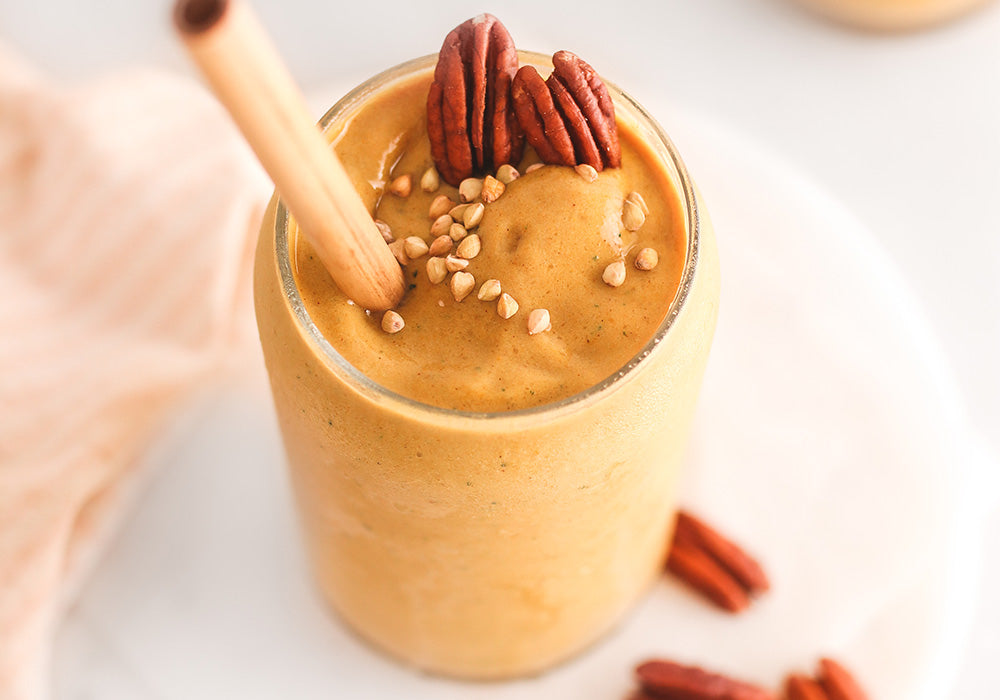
829	437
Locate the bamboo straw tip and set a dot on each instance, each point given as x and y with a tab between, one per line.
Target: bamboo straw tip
270	111
197	16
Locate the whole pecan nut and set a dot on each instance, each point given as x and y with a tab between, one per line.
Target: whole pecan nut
569	118
471	127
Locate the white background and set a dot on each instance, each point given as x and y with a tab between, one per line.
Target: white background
905	130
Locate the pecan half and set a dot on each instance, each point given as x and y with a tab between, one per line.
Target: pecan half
730	556
838	682
666	679
714	565
590	93
798	687
583	138
542	123
470	124
700	571
569	118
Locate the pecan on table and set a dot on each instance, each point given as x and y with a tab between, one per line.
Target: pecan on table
714	565
470	123
666	679
799	687
838	682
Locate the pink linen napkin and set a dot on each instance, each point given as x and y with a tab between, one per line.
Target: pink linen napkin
129	209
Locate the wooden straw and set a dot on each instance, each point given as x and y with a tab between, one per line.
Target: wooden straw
247	75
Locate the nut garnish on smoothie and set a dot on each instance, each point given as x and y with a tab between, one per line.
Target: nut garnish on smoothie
474	135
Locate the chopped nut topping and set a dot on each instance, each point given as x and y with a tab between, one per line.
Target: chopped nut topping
489	291
442	204
586	171
415	247
473	215
455	264
401	186
492	189
507	173
384	229
441	245
614	274
462	283
457	232
441	225
436	270
646	259
430	180
533	167
397	248
506	306
632	216
469	247
636	198
469	189
539	322
457	212
392	322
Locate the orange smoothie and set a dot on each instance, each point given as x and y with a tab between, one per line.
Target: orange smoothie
482	495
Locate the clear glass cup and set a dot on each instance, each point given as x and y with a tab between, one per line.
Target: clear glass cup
486	545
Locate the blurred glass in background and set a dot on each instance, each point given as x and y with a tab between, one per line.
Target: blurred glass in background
893	15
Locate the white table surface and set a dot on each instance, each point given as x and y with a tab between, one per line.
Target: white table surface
905	130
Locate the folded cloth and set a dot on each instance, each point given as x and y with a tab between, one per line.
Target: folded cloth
128	210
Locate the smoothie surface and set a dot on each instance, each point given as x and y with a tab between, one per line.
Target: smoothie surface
547	239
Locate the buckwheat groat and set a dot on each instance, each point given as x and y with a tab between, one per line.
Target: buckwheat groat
495	543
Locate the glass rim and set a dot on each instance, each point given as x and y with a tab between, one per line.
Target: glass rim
341	366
